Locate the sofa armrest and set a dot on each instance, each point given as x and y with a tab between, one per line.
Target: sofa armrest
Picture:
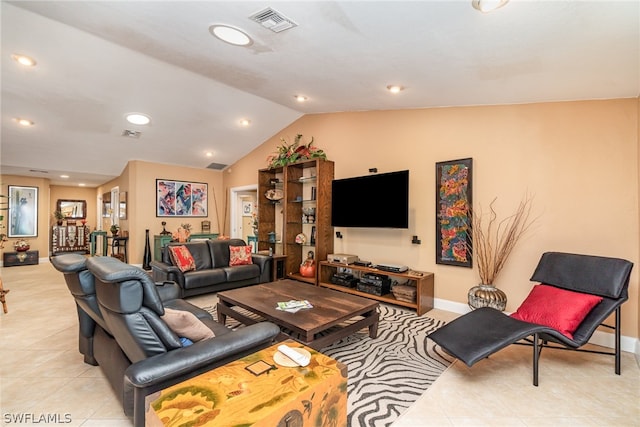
264	262
164	272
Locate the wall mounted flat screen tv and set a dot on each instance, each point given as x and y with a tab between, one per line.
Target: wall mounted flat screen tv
376	201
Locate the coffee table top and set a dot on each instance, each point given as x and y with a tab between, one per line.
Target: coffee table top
330	307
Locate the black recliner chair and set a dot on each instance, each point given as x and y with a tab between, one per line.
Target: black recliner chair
482	332
134	347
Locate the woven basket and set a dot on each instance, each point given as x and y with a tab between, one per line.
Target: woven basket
404	293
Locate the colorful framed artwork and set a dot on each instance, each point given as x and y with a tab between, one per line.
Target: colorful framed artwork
23	211
453	212
181	199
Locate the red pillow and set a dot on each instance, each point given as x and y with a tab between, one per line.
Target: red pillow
556	308
182	258
240	255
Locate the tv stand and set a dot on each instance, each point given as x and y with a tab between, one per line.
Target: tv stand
424	285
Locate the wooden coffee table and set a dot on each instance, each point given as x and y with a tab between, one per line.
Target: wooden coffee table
334	315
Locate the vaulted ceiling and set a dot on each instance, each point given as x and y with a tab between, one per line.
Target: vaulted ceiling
97	61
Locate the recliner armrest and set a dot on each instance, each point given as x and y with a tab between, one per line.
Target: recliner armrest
168	290
177	364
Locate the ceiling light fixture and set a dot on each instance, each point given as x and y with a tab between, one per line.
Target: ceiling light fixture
208	154
486	6
25	60
245	122
230	35
300	98
64	176
24	122
138	119
395	88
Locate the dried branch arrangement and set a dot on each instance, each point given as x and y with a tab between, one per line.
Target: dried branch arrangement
493	239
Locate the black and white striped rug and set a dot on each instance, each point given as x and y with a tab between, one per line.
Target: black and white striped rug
387	374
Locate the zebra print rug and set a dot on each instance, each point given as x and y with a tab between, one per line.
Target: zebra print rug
386	374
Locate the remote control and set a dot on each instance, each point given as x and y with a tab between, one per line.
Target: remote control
294	355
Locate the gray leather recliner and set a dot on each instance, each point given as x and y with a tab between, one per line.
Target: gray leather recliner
121	330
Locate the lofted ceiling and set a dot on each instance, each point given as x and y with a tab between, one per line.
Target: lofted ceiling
97	61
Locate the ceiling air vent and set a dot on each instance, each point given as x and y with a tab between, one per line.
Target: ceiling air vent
217	166
273	20
131	133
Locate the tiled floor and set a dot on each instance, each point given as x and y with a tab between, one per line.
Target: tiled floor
42	374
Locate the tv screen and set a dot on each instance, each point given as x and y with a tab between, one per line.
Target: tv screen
376	201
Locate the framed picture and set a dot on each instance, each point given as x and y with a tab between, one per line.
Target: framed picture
247	208
23	211
181	199
453	212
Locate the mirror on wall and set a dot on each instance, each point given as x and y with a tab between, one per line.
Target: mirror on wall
106	205
73	209
122	212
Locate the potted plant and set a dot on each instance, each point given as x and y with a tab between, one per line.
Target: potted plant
114	229
493	240
59	216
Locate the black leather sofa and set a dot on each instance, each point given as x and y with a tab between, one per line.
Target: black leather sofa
120	329
212	273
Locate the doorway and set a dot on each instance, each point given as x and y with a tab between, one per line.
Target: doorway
242	208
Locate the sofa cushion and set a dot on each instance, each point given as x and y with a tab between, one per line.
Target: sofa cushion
203	278
557	308
220	251
240	255
242	272
186	324
182	258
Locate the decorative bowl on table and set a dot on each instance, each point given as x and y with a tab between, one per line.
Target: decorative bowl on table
21	245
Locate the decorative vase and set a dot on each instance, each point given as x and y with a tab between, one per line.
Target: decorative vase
487	296
146	259
255	231
308	269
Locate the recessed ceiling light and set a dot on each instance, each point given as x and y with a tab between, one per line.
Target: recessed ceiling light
486	6
64	176
208	154
230	35
24	122
245	122
138	119
395	88
25	60
300	98
82	184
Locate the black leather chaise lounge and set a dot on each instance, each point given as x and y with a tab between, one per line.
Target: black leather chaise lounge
482	332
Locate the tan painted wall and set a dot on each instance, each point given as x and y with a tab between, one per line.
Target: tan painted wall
578	159
139	180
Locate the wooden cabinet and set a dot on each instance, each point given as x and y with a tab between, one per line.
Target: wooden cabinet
299	222
69	238
423	284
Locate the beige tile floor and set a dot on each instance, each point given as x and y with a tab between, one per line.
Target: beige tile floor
42	373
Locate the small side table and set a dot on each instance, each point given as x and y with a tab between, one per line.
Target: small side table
119	248
94	237
253	242
278	267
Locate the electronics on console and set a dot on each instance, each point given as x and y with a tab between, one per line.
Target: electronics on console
342	258
344	279
373	283
392	268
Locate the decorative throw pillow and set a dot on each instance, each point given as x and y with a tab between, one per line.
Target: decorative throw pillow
240	255
556	308
186	324
182	258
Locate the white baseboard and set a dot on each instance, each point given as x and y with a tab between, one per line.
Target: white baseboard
605	339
